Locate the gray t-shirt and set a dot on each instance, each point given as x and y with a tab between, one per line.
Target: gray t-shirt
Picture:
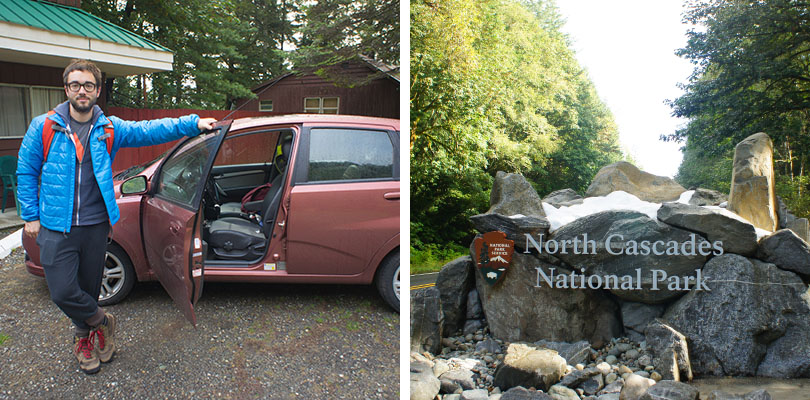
88	204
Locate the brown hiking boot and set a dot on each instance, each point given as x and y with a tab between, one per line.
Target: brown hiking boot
86	355
104	337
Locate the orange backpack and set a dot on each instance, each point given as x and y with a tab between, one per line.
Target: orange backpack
48	133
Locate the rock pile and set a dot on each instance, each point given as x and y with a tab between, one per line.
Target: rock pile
623	304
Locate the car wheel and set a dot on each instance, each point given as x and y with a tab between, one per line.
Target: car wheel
388	280
119	276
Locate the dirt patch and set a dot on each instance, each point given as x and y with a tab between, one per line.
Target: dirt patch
251	341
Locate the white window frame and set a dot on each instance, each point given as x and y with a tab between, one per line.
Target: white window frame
321	108
263	103
29	98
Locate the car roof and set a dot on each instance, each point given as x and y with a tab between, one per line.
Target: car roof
315	119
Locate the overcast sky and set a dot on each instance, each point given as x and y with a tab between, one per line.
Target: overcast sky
628	48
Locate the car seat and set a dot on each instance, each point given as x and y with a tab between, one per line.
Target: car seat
234	208
238	238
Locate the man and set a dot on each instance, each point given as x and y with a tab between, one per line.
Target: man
66	198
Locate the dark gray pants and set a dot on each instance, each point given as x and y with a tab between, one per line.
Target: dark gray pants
74	266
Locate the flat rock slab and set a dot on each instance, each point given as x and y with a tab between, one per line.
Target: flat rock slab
515	227
734	235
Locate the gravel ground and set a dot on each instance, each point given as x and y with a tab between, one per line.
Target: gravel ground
251	341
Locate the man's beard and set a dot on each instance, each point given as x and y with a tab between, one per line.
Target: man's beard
82	109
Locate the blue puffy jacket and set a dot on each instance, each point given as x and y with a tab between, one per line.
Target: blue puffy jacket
50	199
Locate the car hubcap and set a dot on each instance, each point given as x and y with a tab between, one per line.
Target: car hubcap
113	278
396	283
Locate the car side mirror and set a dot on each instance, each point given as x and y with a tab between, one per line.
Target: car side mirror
134	185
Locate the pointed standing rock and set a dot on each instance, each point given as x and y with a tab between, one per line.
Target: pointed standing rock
752	182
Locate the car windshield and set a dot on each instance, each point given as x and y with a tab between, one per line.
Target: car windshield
137	169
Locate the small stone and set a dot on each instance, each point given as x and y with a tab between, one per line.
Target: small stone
440	367
603	367
560	392
475	394
643	374
479	338
655	376
649	368
611	359
623	369
631	354
579	367
611	377
645	360
469	337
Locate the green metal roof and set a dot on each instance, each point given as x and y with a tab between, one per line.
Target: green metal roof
70	20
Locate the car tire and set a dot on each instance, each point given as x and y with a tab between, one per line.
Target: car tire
388	283
119	276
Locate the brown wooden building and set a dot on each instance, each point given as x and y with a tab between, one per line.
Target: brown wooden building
358	87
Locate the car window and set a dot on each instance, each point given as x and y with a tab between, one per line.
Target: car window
181	174
251	148
349	154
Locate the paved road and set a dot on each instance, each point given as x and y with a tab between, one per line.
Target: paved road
423	281
251	341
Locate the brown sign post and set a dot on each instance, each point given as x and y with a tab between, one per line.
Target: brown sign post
493	254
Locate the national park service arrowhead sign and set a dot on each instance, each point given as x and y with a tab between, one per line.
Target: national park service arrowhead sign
493	254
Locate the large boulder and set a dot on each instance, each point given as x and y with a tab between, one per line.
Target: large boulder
424	384
736	236
426	321
519	310
670	351
515	227
730	326
563	198
787	251
707	197
635	386
630	232
752	182
454	282
512	194
573	353
789	356
527	366
626	177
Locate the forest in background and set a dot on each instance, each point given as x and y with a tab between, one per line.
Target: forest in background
495	86
223	48
752	74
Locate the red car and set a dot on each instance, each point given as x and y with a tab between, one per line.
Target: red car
330	213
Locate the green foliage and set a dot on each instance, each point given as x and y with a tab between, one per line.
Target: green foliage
4	338
431	257
751	75
333	31
495	87
222	48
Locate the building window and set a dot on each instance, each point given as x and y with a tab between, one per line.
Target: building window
20	104
266	105
322	105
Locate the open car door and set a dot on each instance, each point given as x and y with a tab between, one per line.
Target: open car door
172	218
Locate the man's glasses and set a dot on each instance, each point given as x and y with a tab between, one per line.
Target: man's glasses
88	86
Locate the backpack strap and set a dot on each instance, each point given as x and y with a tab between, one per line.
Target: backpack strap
108	136
47	136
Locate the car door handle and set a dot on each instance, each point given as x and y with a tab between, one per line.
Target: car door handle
174	228
391	196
